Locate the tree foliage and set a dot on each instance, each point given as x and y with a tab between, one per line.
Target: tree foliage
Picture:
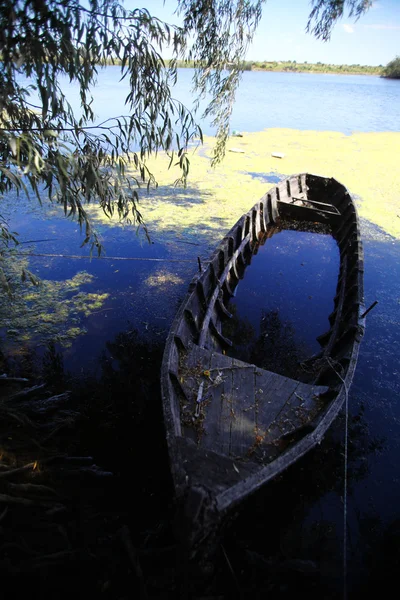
75	158
325	13
392	69
47	148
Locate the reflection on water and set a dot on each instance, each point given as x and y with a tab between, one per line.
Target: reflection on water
283	304
287	294
289	537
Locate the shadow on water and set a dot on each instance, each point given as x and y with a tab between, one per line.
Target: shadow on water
115	424
293	528
273	348
186	197
285	538
289	537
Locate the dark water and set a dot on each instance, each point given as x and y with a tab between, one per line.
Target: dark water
301	515
284	302
114	368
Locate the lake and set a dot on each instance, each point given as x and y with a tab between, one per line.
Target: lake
343	103
109	326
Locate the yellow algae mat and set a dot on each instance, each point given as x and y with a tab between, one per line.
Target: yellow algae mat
366	163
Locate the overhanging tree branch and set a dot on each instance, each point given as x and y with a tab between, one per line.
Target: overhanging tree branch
46	146
326	13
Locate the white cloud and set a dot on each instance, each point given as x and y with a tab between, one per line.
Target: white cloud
378	26
348	28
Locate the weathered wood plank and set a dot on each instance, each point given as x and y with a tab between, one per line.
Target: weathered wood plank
276	392
211	469
244	407
217	422
222	308
296	413
243	411
215	327
174	358
303	183
191	373
216	292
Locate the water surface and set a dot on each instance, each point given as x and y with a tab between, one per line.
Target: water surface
116	362
305	101
283	303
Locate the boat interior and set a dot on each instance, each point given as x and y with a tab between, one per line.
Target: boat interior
233	409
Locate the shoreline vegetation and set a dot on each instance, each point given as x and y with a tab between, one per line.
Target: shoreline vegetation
390	71
291	66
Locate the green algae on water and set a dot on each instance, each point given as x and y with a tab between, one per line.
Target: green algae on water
50	311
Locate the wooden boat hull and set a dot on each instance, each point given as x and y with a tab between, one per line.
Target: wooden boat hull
230	425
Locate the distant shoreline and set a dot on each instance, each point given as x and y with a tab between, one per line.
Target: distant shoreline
304	67
310	72
290	67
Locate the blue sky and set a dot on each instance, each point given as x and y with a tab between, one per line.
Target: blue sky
372	40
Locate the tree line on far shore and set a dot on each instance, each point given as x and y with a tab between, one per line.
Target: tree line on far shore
390	71
319	67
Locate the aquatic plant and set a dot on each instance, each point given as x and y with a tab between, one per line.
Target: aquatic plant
46	311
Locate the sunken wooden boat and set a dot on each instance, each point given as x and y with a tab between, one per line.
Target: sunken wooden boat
232	426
